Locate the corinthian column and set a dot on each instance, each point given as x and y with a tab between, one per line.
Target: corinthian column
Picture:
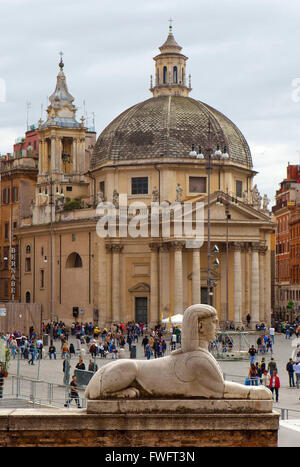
196	286
116	285
154	311
53	147
109	272
262	283
237	294
74	155
178	286
255	285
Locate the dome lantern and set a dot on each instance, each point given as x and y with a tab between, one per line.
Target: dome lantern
170	69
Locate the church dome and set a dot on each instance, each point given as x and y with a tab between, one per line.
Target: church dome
166	127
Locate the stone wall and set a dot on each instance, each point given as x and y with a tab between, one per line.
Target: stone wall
115	425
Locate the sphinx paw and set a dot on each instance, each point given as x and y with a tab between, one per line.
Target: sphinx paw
128	393
260	392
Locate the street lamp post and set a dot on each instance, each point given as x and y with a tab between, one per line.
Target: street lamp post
226	203
209	156
51	202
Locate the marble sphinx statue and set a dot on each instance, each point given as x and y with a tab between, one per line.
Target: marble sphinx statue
188	372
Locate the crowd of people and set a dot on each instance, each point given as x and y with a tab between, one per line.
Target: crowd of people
263	373
106	342
109	342
97	342
29	347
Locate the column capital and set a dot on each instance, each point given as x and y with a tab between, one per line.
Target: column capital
236	246
255	246
177	245
263	249
165	247
114	247
154	246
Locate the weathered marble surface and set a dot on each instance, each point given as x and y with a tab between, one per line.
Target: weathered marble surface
188	372
136	423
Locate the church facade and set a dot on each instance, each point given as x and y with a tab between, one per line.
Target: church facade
168	149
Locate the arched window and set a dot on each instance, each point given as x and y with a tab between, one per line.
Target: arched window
28	249
74	261
27	297
165	76
175	75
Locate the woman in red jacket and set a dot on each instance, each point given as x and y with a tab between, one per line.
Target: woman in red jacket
274	384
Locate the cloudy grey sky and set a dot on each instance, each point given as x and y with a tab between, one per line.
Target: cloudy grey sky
243	58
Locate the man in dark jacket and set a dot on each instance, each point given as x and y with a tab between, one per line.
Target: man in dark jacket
290	370
80	365
73	393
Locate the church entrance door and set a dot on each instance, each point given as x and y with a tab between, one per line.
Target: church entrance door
141	309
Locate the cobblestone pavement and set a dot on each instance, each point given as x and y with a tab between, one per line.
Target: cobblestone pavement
52	371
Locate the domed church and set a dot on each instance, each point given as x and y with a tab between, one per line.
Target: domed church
170	150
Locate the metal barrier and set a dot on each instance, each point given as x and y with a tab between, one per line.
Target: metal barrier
43	393
287	414
39	392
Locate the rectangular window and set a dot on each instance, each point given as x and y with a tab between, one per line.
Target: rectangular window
5	257
6	288
6	230
15	194
6	195
102	187
239	188
197	184
42	283
27	264
139	186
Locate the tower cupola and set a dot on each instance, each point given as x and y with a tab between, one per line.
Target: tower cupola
170	70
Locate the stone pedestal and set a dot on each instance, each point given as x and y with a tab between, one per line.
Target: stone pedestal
144	423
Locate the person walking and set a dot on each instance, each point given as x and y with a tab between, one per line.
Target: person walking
52	351
253	375
296	368
290	370
65	349
145	342
270	344
3	374
252	353
73	393
173	341
272	366
148	351
265	378
259	344
274	385
272	334
32	350
80	365
93	366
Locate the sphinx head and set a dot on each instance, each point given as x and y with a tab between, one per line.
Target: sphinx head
199	325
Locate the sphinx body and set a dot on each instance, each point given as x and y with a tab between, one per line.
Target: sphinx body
190	372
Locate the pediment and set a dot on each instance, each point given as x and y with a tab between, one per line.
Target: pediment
240	212
140	287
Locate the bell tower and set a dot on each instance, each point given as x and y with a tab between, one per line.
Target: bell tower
62	148
170	70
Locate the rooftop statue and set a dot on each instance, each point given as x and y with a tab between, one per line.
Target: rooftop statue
188	372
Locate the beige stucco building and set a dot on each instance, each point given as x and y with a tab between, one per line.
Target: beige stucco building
170	148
